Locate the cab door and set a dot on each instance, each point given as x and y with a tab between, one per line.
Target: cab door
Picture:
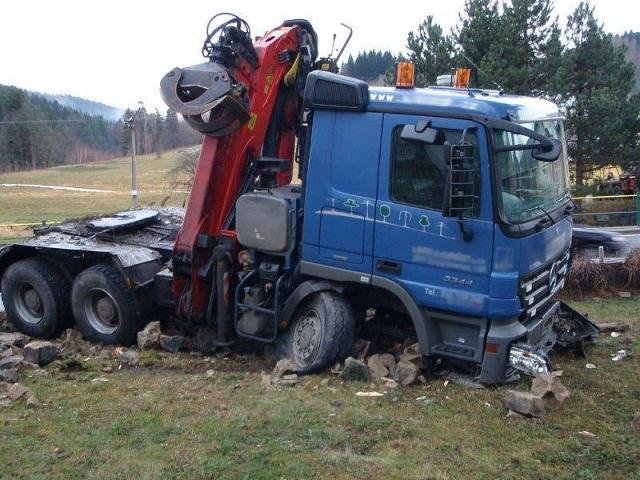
414	244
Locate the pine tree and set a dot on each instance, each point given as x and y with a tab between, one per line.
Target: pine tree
431	50
603	116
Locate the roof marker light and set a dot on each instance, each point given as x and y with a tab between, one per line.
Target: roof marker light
462	78
405	74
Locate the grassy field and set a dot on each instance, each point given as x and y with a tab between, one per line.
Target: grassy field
25	205
167	419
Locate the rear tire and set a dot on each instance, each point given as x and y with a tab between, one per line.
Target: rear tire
322	332
36	297
104	308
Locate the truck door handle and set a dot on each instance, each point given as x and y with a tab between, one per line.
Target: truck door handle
389	266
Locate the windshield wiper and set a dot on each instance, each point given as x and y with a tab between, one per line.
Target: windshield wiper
541	223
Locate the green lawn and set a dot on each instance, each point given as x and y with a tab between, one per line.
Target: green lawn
26	205
167	419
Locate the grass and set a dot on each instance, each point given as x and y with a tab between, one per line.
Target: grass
26	205
167	419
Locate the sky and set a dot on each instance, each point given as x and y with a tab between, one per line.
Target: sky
116	51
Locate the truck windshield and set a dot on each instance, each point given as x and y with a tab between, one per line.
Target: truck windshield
531	187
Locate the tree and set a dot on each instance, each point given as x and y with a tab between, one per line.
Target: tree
603	116
478	32
431	50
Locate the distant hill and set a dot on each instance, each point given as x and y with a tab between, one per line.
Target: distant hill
37	132
631	40
87	106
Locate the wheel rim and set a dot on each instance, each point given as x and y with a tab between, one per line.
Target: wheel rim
307	337
102	312
28	302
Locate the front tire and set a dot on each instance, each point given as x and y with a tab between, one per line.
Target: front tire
322	332
36	297
104	308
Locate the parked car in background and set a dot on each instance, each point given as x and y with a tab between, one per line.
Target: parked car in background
586	241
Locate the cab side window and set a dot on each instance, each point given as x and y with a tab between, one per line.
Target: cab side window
419	170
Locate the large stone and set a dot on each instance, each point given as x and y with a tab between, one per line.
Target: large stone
550	389
149	336
17	391
283	367
40	352
355	370
524	403
14	339
130	357
406	372
171	343
382	365
11	361
9	375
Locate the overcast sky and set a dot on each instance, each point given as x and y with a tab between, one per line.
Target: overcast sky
116	51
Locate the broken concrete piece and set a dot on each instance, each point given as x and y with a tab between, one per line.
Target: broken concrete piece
40	352
382	365
524	403
406	372
171	343
11	361
9	375
550	389
149	336
284	366
355	370
14	339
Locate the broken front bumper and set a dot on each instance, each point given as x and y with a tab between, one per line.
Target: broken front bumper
525	347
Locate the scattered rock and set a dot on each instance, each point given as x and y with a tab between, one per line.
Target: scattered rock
9	375
406	372
40	352
586	434
16	391
130	357
355	370
288	380
524	403
14	339
11	361
590	366
550	389
284	366
382	365
12	351
464	381
210	373
149	336
72	342
171	343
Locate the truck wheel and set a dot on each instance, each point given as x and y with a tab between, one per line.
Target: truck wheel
104	308
36	297
322	332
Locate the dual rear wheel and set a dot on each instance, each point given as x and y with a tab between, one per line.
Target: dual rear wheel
36	296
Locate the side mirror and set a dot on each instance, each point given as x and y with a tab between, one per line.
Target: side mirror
550	153
422	132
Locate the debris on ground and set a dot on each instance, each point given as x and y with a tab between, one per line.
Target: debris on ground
283	367
524	403
129	357
615	334
11	361
283	375
40	352
369	394
382	365
587	434
171	343
550	389
12	339
149	336
619	355
624	294
464	380
590	365
612	326
16	391
355	369
9	375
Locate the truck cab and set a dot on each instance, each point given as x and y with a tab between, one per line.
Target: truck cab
475	284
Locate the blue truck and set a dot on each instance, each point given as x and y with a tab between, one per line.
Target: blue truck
441	214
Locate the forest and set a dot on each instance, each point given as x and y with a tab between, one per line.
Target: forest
39	132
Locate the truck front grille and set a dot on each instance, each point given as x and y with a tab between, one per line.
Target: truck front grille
538	288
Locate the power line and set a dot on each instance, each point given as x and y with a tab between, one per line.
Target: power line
8	122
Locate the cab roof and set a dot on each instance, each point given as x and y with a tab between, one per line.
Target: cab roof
447	101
